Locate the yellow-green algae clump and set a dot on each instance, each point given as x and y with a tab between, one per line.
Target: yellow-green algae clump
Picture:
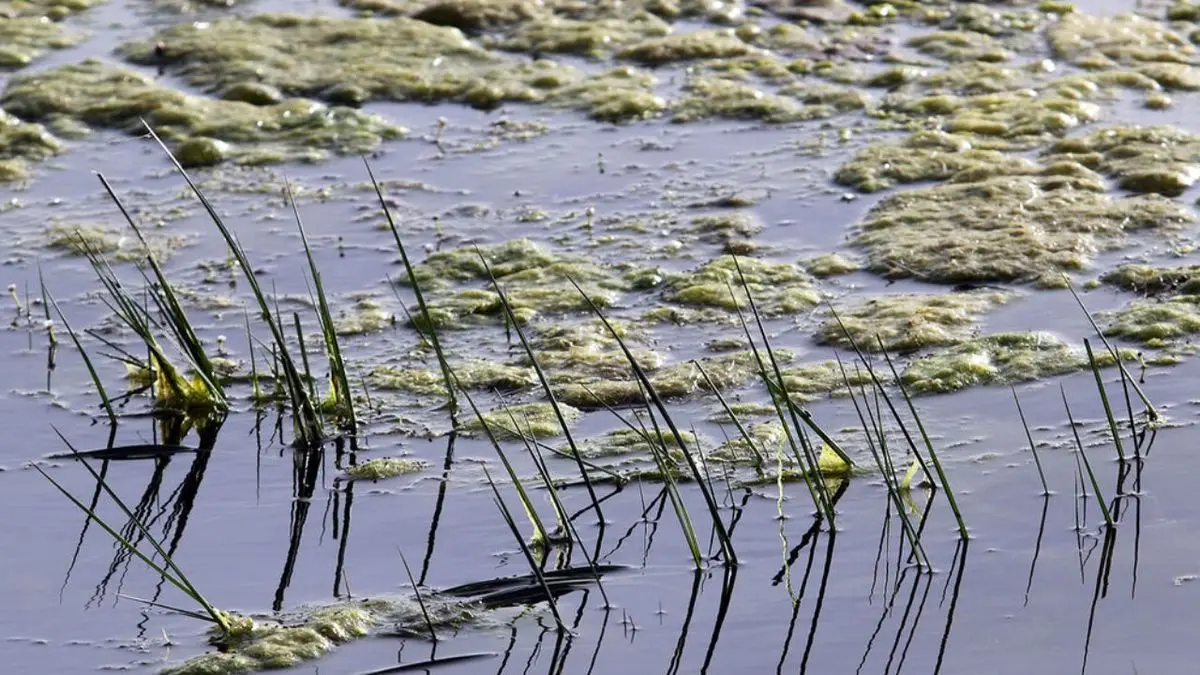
380	468
204	131
1003	358
533	420
1028	228
1151	159
310	634
909	321
472	374
1151	280
1155	323
20	144
777	288
353	61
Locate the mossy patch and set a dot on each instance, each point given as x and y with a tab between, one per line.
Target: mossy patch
1143	159
701	44
1007	228
98	95
1003	358
382	468
810	380
708	97
365	315
777	288
532	419
22	144
628	445
83	239
909	321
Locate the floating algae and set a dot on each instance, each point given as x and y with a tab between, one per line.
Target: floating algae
24	38
923	156
823	378
909	321
594	38
85	239
534	280
633	445
365	315
707	97
20	144
465	15
777	288
353	61
1150	280
381	468
1003	358
678	380
1155	323
1098	42
536	420
99	95
830	265
472	374
309	634
702	44
1155	159
1007	228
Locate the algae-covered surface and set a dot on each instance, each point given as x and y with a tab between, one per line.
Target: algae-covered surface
719	178
203	131
1025	228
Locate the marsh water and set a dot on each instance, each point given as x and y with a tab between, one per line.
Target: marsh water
269	531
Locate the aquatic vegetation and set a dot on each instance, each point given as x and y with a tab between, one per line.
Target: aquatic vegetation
1007	228
907	322
1151	159
594	37
538	419
1098	42
365	315
22	143
778	288
923	156
208	131
1003	358
629	445
309	633
600	388
1155	323
960	45
724	228
830	265
707	97
24	38
822	378
702	44
472	374
381	468
83	239
1150	280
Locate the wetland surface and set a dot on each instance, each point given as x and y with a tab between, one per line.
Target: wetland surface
936	173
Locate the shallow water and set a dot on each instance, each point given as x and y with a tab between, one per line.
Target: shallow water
258	538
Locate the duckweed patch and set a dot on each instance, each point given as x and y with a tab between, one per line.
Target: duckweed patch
533	419
777	288
378	468
1008	228
1003	358
907	322
1154	159
205	131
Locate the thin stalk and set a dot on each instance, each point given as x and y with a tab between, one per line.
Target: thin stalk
1087	464
1037	460
87	361
1108	413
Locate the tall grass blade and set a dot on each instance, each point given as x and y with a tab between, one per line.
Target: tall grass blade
1087	464
1108	413
87	361
447	376
1037	460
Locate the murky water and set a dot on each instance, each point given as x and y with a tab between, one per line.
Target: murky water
265	530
